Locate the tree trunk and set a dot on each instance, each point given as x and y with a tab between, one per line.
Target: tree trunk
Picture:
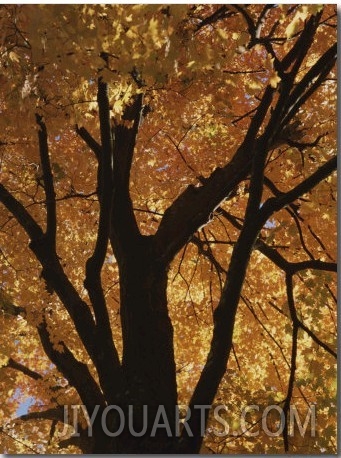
148	362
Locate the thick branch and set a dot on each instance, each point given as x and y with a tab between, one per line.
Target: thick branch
301	46
124	229
224	315
97	342
108	364
55	276
33	230
105	184
51	220
77	373
193	207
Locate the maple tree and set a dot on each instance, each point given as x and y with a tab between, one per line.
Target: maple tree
168	228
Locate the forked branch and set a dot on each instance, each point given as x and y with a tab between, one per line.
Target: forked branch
107	357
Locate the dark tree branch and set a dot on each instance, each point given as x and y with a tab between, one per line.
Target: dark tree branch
32	229
293	267
207	252
221	13
55	413
298	52
192	208
272	254
316	339
224	315
294	319
107	357
249	22
260	322
313	264
319	241
44	249
96	261
11	363
51	220
55	276
258	119
261	20
225	312
274	204
52	430
90	141
310	82
77	373
177	147
276	192
124	229
296	219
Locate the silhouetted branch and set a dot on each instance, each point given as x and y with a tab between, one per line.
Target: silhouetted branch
124	229
19	212
11	363
310	82
105	185
276	203
293	315
52	271
90	141
297	53
77	373
316	339
319	241
192	208
221	13
107	356
54	413
51	220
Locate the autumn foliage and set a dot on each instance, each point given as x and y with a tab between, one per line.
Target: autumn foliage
168	223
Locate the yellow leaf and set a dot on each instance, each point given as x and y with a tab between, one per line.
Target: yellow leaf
118	106
300	15
274	80
13	56
153	30
223	34
3	360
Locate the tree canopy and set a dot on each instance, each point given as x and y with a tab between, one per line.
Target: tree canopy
168	223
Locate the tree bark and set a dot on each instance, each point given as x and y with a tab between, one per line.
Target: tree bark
148	363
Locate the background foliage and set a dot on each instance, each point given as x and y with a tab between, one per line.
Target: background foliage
203	71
